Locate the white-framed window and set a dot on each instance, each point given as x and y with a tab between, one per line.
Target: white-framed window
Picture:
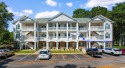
18	35
18	26
107	45
107	35
107	26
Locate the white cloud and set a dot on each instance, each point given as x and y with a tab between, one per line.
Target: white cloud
51	2
70	4
104	3
24	12
46	14
28	11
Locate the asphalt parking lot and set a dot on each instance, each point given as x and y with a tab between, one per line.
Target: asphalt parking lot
57	60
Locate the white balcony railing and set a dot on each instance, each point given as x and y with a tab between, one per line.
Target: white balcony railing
82	28
72	28
29	38
96	27
97	37
41	38
28	28
51	28
41	29
62	37
62	28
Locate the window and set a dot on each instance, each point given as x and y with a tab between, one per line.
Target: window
107	35
107	45
81	35
65	25
17	35
68	34
55	34
68	25
59	35
107	26
18	26
43	35
65	34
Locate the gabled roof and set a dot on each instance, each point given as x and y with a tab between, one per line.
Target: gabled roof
42	20
83	20
60	15
23	18
102	17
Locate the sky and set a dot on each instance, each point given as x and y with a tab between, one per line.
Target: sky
49	8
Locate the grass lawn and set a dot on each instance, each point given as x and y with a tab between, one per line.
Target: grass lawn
119	47
25	51
66	51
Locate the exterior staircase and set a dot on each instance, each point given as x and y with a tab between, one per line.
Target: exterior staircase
29	45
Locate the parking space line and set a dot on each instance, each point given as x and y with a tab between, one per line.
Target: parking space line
23	57
36	58
63	57
76	56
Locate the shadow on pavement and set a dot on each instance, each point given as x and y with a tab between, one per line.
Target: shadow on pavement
4	62
73	66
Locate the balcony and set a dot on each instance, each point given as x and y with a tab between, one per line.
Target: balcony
96	27
29	38
72	37
41	29
71	28
82	29
52	37
97	37
28	28
62	28
41	38
51	28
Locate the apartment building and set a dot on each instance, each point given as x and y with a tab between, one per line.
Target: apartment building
63	32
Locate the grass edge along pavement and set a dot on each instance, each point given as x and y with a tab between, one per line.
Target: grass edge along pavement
27	51
23	52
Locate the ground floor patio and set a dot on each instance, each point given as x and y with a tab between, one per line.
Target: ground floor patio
66	45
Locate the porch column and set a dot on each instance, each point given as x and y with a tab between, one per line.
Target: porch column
20	45
67	31
47	31
57	30
34	45
47	45
77	45
67	46
77	35
104	45
57	45
89	44
37	45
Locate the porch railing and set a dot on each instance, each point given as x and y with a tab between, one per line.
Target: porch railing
51	28
96	27
28	28
62	28
72	28
97	37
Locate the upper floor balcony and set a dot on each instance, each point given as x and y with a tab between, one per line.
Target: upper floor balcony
100	37
96	27
51	28
83	28
41	29
27	28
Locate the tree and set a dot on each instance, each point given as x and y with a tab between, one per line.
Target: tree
6	37
79	13
5	16
98	10
118	15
